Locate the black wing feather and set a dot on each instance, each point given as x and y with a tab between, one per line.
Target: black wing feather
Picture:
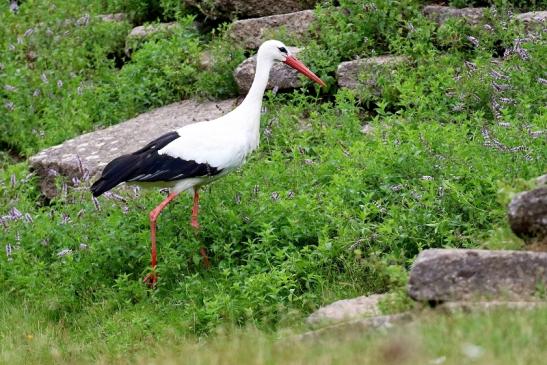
147	165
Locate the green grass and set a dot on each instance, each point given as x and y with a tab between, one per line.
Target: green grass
320	212
512	338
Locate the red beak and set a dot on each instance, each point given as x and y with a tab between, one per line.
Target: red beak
300	67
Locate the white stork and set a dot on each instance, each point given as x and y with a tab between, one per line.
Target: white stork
199	153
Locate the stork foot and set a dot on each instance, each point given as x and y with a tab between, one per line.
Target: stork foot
151	279
195	224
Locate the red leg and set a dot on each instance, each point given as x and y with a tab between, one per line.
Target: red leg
195	209
195	224
151	278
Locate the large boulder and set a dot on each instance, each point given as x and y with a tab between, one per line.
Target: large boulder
231	9
86	155
250	33
440	14
527	215
364	72
440	275
282	76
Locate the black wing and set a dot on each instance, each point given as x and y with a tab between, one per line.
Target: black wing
147	165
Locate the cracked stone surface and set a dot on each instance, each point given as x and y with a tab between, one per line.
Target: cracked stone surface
89	153
342	310
443	275
440	14
281	76
352	74
230	9
250	33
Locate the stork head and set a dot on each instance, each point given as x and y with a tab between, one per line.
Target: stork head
277	51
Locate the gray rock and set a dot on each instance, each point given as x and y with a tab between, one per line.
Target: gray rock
250	33
231	9
342	310
541	180
140	34
115	17
470	307
441	275
352	74
281	76
89	153
143	31
357	325
533	19
527	213
440	14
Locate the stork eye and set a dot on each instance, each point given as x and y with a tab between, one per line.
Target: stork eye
283	49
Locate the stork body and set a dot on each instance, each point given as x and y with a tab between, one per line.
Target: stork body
199	153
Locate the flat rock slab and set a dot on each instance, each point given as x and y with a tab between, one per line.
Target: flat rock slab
230	9
533	19
250	33
352	74
343	310
527	214
89	153
356	326
443	275
282	76
440	14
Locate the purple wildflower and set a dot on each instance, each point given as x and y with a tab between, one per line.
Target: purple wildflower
65	218
9	251
28	218
15	214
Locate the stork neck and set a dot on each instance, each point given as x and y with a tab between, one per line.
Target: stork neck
262	73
